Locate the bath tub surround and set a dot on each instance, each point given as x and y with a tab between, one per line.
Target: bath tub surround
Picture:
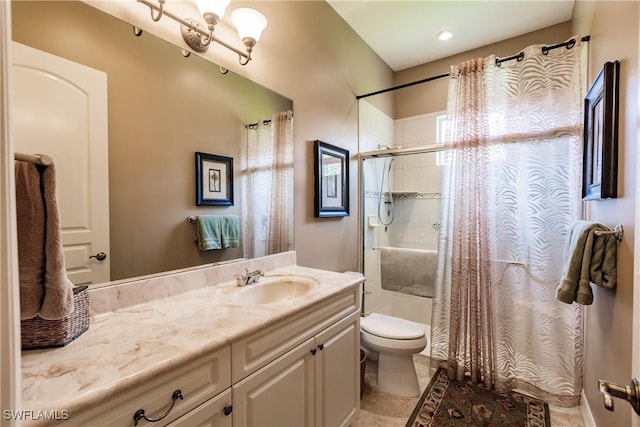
176	339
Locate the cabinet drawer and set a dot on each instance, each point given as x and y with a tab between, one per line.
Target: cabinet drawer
198	381
260	348
209	414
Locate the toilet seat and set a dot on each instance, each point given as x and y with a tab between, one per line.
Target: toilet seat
391	327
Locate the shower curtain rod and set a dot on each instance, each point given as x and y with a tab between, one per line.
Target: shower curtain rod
519	57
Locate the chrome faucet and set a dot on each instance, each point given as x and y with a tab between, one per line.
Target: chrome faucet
249	278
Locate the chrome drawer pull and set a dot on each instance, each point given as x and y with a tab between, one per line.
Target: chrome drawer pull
140	412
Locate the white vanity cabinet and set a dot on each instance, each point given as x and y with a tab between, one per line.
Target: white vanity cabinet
316	383
301	368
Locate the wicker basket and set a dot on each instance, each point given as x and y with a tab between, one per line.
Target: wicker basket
40	333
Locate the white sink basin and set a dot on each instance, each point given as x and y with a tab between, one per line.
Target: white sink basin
270	290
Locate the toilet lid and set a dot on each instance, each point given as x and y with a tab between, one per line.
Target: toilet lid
391	327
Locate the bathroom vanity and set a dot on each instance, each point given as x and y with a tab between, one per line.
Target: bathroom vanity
284	351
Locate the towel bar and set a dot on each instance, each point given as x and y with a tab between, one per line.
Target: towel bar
618	232
191	219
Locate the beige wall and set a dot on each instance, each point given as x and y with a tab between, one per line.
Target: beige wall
608	322
432	96
162	109
309	54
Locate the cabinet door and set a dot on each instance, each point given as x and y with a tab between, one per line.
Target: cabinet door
209	414
280	394
337	375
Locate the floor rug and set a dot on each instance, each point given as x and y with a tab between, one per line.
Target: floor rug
459	403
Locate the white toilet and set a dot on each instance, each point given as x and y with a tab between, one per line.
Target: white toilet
393	342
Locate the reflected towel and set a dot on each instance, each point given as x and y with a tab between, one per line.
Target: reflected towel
230	231
45	289
588	258
217	231
410	271
208	232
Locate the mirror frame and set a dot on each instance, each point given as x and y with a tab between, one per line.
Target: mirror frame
322	209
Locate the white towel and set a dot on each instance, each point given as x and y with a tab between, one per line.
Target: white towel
410	271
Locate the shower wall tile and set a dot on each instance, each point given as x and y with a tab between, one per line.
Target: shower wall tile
397	179
376	128
410	307
410	132
429	179
397	134
428	128
411	179
428	159
412	161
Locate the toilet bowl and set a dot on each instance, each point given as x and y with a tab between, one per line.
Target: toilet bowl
393	342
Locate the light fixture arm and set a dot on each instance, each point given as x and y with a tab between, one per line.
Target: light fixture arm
159	9
196	37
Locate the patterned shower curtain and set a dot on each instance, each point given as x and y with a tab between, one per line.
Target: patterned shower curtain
512	185
269	186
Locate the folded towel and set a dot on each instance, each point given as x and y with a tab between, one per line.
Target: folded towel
410	271
230	231
588	258
30	219
45	289
58	289
208	232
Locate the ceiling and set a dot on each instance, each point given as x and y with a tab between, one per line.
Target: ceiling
404	33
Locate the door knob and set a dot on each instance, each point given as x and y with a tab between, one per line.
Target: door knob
100	256
630	393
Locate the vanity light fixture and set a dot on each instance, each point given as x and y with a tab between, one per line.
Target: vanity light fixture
445	35
248	22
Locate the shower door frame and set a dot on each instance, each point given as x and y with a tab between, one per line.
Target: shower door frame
368	155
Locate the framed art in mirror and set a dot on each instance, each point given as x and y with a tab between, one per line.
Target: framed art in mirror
331	179
600	155
214	180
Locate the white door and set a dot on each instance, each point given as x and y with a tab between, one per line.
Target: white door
59	108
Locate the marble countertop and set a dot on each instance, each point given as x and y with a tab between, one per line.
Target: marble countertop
131	345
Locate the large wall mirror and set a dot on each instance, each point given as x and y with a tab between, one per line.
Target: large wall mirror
163	107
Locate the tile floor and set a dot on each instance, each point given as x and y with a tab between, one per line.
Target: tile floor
382	410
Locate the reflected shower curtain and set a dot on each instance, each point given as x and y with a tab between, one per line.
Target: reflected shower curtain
269	186
511	187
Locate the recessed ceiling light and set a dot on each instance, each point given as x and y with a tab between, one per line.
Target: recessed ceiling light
445	34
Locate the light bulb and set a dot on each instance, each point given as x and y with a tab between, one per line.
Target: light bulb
249	22
216	7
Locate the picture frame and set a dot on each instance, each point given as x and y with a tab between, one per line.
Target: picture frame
331	180
600	155
214	180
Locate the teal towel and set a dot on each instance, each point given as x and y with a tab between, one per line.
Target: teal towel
230	231
588	258
208	232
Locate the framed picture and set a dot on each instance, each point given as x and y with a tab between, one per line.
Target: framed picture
214	180
331	179
600	156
